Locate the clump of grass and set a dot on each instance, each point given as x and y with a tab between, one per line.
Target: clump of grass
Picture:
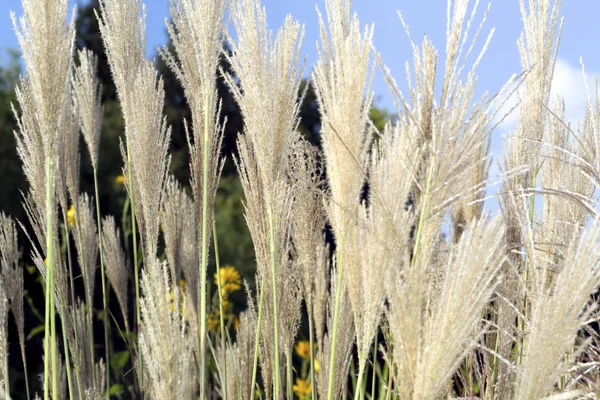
418	290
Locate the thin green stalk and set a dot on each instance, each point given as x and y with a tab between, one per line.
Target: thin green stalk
360	389
311	340
277	391
221	321
67	362
50	330
257	338
104	291
136	270
204	250
375	365
336	317
25	373
72	287
389	390
382	382
290	374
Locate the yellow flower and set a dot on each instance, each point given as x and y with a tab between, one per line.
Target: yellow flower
120	180
316	366
225	305
303	349
71	216
302	388
213	322
236	322
230	280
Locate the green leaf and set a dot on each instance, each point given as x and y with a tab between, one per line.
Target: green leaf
115	389
37	330
119	359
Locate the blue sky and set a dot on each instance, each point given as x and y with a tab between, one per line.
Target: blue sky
580	36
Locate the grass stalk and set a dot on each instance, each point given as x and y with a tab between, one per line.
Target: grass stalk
49	351
204	251
277	390
136	270
359	393
104	289
221	320
257	338
290	374
311	341
336	317
375	365
72	284
67	362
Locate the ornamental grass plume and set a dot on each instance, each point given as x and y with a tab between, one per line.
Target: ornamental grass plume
196	31
165	342
570	192
86	242
173	213
308	224
46	41
328	385
419	318
116	264
141	94
189	256
342	79
269	77
560	308
87	100
240	365
68	167
90	374
538	47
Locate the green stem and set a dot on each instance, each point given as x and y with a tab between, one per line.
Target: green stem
336	317
104	291
277	391
136	270
221	321
25	373
67	362
311	340
204	250
290	374
49	336
375	365
382	382
257	338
